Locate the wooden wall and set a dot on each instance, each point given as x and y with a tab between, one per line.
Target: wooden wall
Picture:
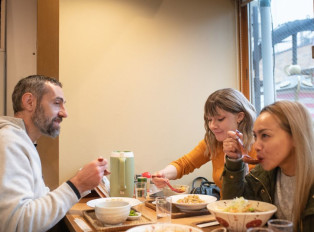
48	64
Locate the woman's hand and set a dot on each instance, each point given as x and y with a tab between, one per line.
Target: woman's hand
161	177
159	180
231	147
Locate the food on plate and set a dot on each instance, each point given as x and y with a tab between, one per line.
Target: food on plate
164	227
191	199
132	213
239	205
239	214
116	199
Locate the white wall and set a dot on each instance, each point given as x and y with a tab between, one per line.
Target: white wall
2	58
136	75
2	82
21	43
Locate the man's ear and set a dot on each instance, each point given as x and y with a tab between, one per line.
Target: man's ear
29	102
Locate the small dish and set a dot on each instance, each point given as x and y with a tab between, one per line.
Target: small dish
135	217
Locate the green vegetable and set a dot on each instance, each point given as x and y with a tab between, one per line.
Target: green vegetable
133	213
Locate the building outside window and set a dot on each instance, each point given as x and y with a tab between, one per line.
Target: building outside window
281	39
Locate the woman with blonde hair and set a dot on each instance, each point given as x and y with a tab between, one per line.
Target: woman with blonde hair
284	142
225	109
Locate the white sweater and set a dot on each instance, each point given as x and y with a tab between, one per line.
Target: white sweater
26	204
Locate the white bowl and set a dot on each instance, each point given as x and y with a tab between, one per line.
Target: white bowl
168	192
164	227
242	221
132	201
191	207
112	212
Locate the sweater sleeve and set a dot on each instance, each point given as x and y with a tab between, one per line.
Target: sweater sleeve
26	204
189	162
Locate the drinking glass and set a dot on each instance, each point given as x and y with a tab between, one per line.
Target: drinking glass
140	194
280	225
140	191
163	209
259	229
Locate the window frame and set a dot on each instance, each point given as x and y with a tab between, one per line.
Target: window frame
244	48
2	24
244	54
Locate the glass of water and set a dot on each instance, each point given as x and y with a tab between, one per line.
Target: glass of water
163	209
140	191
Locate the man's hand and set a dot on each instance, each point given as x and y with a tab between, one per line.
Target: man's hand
90	175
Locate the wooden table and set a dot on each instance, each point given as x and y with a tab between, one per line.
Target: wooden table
77	209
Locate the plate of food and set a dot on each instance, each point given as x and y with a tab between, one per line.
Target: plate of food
131	201
164	227
190	202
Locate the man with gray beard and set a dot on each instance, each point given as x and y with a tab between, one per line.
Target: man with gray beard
26	204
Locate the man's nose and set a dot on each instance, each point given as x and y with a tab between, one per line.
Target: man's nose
63	113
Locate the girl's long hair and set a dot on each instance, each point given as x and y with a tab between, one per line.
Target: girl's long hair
232	101
296	120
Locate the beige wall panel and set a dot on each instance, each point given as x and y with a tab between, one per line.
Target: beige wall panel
2	82
136	75
21	43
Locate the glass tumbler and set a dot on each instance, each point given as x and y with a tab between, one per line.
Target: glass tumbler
280	225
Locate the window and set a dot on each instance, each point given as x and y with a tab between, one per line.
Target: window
280	41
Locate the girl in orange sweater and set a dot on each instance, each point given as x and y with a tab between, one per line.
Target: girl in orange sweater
225	109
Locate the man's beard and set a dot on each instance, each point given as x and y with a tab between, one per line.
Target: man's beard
45	124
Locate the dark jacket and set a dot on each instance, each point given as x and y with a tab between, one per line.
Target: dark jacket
260	185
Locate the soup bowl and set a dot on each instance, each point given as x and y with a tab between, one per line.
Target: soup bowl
112	212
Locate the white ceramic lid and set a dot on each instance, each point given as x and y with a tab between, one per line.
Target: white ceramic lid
122	154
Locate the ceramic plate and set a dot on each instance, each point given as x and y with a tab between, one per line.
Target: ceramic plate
192	206
132	201
164	227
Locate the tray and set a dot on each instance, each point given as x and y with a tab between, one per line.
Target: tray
177	213
91	218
